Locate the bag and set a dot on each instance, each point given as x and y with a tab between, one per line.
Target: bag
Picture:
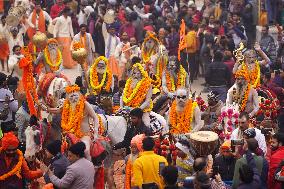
97	152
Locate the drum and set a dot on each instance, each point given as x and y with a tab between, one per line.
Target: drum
204	142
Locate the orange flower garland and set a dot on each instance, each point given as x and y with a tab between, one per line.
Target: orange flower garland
254	75
245	98
128	173
71	119
16	170
26	65
134	97
180	82
180	123
146	55
101	128
106	81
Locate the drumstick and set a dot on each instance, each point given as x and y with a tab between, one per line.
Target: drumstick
129	48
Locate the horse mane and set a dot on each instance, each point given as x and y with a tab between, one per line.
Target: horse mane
159	103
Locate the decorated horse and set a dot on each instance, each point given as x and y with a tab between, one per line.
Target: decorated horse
51	89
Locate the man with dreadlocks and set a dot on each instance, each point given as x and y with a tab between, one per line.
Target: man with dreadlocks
213	111
243	94
174	76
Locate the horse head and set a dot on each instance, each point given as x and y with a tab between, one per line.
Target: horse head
32	142
56	90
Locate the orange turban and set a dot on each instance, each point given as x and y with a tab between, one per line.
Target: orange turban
9	140
137	140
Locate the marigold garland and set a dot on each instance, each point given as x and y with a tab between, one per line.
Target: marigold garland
146	55
245	98
77	45
26	64
72	88
106	80
101	128
171	85
54	66
16	170
181	121
135	97
71	119
254	75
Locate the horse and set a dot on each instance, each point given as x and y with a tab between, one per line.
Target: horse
51	89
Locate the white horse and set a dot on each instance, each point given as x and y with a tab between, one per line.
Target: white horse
51	88
32	146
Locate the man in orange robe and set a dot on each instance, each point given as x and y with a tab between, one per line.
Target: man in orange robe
13	166
37	20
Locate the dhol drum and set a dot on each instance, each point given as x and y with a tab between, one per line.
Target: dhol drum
204	142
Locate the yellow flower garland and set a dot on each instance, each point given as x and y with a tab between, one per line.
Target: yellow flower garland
71	119
134	97
94	80
16	170
53	66
180	123
171	82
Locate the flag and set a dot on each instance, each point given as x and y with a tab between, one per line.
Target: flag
182	44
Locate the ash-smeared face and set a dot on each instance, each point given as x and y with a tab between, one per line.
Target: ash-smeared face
136	74
101	67
74	97
173	64
149	44
52	48
250	57
181	97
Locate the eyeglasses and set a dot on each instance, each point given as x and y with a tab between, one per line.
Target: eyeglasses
181	97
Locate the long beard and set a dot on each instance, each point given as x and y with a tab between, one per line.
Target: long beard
53	54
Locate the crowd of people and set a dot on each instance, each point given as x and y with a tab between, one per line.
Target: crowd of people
136	65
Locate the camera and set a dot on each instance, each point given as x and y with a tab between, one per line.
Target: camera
237	142
266	131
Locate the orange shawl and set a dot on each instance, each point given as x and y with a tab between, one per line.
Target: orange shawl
41	24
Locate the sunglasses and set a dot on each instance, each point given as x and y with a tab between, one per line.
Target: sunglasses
181	97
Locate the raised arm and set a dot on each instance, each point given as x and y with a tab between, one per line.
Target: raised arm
197	119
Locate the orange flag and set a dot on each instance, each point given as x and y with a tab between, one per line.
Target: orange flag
182	43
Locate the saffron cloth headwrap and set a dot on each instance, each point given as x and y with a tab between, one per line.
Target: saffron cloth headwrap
137	140
9	140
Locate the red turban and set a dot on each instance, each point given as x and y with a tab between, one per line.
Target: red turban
9	140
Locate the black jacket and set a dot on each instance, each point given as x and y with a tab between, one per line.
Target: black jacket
225	167
218	74
131	132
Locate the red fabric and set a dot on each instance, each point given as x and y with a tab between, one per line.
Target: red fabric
55	10
149	28
99	179
8	140
276	157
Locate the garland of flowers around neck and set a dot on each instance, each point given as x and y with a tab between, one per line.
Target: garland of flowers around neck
106	80
16	170
146	55
54	66
245	98
171	81
135	97
26	64
254	75
181	121
71	119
